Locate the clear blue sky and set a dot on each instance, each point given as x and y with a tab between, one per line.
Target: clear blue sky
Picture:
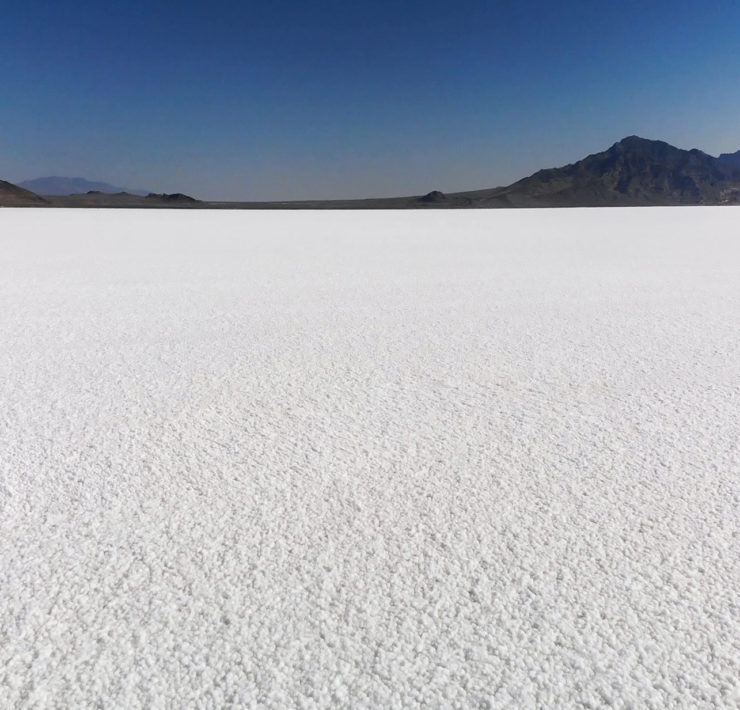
282	99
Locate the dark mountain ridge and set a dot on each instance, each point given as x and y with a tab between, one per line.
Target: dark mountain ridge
632	172
635	171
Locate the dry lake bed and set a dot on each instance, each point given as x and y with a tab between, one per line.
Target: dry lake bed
469	459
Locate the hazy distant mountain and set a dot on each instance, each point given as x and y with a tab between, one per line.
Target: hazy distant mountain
732	159
14	196
73	186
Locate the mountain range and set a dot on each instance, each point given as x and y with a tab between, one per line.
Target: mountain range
632	172
73	186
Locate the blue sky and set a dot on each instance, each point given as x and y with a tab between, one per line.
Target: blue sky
291	100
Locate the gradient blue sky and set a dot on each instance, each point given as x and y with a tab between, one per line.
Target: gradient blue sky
282	99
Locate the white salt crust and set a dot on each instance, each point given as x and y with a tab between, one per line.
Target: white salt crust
482	459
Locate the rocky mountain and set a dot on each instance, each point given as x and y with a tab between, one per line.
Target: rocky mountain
634	171
72	186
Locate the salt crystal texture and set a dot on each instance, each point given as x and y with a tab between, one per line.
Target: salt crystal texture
454	459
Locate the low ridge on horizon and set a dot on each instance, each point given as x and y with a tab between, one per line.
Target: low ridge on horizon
634	171
56	185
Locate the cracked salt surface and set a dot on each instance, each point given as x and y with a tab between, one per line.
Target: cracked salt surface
391	459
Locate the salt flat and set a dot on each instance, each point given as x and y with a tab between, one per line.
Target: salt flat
476	459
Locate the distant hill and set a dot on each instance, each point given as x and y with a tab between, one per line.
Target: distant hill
13	196
731	159
73	186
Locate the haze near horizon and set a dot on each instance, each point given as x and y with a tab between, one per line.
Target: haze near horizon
291	101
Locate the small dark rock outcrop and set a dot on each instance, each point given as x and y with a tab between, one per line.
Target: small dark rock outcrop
433	196
172	197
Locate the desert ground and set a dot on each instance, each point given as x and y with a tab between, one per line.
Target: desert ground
469	459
